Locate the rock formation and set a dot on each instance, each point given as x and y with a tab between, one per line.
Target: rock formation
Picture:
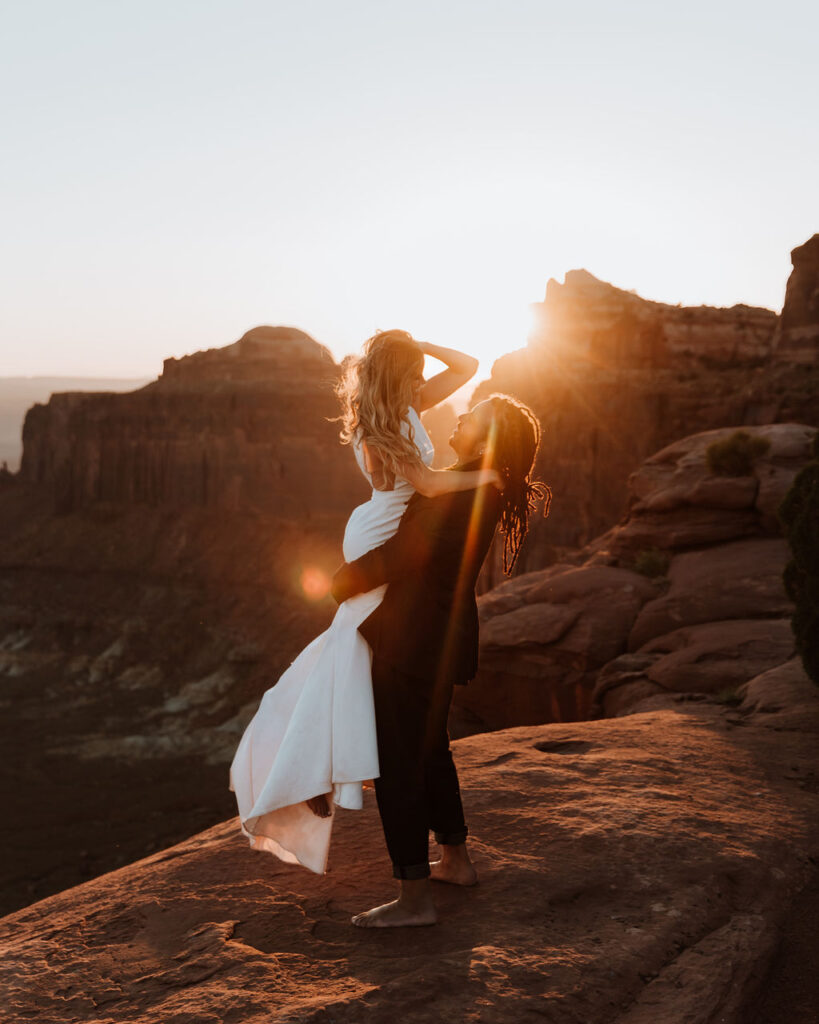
245	428
685	594
18	394
614	377
796	339
636	871
587	321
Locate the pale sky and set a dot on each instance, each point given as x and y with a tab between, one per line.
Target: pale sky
177	172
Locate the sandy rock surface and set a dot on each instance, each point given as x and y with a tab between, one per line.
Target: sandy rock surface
632	870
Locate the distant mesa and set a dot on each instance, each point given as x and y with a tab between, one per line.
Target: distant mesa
247	427
262	353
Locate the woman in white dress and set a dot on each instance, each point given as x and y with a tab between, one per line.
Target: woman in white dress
312	742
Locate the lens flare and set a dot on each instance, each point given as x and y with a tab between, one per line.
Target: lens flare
315	584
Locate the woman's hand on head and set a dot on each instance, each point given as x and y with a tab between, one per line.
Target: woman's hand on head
460	368
497	480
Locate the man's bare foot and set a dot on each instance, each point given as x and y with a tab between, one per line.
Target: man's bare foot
395	915
454	867
413	907
319	805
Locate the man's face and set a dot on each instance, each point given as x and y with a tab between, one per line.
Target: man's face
472	431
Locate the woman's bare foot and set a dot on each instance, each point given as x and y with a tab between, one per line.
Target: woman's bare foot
454	867
319	805
413	907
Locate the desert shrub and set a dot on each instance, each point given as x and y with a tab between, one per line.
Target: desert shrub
799	516
727	696
652	562
735	455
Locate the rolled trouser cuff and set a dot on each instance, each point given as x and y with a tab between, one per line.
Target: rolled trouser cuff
411	872
452	838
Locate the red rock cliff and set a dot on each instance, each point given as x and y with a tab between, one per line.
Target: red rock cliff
614	377
245	427
797	335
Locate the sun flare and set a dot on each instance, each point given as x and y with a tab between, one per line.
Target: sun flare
315	583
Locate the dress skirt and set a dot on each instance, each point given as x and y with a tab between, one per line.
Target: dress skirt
314	730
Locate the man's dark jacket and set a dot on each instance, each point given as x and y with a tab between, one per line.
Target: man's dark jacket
427	623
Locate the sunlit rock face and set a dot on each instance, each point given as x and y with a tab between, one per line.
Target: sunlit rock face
586	320
245	427
614	377
684	596
797	335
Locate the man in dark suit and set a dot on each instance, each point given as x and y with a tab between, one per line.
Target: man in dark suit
424	639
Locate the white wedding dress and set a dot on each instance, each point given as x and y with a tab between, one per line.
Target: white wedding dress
314	731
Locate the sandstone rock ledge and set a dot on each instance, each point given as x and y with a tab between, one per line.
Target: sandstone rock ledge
634	870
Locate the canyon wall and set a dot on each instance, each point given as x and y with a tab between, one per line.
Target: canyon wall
614	377
243	428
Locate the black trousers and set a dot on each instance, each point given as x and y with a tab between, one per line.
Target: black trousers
417	790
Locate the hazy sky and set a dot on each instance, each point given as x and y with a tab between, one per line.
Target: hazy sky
177	172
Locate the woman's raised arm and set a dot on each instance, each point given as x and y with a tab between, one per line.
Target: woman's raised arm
460	369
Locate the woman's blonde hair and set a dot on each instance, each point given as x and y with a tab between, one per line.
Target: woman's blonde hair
375	392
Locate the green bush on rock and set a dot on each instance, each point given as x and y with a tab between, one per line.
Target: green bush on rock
799	515
735	455
652	562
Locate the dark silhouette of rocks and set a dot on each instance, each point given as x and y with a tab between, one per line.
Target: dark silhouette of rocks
18	394
614	377
796	339
594	636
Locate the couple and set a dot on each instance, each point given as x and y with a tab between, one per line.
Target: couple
368	698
